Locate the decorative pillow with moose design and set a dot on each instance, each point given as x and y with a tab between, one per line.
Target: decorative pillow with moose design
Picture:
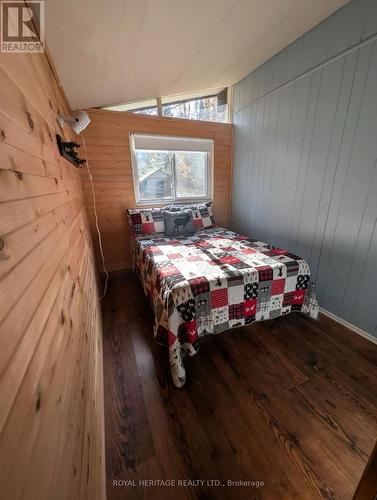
146	220
203	214
179	223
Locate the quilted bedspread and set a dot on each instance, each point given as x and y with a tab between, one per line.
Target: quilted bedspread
214	281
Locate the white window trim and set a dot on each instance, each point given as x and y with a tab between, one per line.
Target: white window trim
174	199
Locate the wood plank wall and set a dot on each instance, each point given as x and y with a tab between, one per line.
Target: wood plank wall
305	163
51	390
107	142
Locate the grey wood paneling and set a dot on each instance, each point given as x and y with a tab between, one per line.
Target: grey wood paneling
305	158
352	24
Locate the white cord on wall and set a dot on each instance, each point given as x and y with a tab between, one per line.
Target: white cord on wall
96	220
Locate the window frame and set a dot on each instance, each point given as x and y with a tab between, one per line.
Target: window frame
158	103
174	199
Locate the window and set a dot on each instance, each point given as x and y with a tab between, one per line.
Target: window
204	108
209	106
146	111
155	174
168	169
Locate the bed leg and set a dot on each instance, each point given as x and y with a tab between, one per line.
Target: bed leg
177	368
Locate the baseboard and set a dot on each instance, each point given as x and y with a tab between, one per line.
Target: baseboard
348	325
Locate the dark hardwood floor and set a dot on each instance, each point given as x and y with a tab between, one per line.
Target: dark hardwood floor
291	402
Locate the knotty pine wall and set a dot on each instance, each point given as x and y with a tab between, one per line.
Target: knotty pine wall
51	391
107	142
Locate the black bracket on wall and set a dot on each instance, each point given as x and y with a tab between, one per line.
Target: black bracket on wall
67	150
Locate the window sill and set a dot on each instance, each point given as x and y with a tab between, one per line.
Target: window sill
170	201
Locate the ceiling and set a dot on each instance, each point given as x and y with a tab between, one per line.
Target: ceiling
124	50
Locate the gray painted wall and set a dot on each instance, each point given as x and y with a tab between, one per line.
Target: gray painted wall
305	157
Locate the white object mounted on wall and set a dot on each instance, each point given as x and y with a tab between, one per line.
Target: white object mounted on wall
78	120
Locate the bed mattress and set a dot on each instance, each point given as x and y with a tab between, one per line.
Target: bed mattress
216	280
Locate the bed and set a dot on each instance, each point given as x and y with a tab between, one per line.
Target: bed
213	281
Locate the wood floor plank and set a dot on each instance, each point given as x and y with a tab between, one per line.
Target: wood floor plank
134	443
280	441
247	438
275	372
274	402
338	335
343	406
362	373
302	346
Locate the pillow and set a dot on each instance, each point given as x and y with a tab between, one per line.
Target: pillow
203	214
146	220
179	223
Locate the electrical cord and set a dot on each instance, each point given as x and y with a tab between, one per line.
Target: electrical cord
96	219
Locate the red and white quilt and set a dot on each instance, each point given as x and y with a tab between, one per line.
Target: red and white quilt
216	280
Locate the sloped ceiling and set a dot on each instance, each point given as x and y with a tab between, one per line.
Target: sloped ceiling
109	52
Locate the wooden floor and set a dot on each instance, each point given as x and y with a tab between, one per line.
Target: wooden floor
291	402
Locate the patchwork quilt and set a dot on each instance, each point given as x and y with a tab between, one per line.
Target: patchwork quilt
216	280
